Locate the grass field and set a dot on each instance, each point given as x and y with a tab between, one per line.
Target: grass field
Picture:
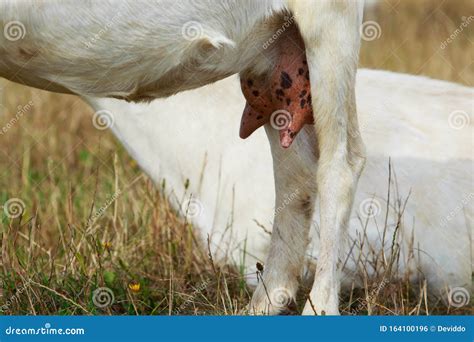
64	171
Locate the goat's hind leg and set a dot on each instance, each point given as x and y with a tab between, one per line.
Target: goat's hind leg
294	204
330	30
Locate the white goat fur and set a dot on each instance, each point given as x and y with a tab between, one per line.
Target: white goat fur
194	136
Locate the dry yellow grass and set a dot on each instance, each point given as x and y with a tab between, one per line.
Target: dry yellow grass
65	170
412	34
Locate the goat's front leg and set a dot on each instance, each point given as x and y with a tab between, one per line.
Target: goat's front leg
294	203
330	30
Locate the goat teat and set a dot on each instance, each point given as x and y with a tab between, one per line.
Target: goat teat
282	98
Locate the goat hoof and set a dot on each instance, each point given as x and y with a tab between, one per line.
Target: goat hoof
275	302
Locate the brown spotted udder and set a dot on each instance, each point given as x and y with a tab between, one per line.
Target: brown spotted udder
284	97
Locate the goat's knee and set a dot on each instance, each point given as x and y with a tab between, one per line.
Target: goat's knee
356	149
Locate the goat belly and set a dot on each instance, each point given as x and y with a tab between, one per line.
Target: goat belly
283	98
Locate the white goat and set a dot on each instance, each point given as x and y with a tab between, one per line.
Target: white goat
406	118
140	50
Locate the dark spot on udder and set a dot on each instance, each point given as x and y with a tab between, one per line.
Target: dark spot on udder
288	101
279	92
302	103
255	93
285	80
300	71
304	62
292	134
303	93
249	82
259	117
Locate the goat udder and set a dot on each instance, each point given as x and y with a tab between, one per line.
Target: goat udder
284	97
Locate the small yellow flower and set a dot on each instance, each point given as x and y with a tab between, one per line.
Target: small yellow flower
134	286
107	245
